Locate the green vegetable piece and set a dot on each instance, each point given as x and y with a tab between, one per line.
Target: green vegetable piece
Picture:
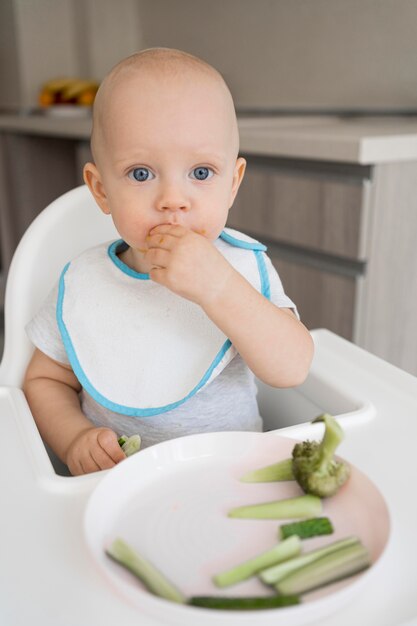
276	573
243	604
306	528
284	550
152	578
130	445
313	463
271	473
326	570
300	506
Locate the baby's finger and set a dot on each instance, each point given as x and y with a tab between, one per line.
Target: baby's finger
75	467
101	458
88	465
158	275
107	439
176	230
160	241
157	257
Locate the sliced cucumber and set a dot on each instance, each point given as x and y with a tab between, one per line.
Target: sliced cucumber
326	570
153	579
130	445
243	604
301	506
271	473
274	574
284	550
307	528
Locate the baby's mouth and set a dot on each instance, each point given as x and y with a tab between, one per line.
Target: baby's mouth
199	231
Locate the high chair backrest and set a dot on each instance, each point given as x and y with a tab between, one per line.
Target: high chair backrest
66	227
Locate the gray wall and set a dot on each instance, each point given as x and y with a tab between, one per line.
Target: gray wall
56	38
275	54
298	53
9	72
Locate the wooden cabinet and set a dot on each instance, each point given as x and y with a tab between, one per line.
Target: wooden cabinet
313	218
321	211
324	299
342	238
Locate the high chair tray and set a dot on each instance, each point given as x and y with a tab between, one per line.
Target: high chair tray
49	576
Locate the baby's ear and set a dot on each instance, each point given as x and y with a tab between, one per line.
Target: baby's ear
92	179
238	175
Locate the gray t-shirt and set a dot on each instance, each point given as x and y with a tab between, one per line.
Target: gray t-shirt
227	403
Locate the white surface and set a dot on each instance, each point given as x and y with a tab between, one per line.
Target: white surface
63	110
170	503
48	577
356	140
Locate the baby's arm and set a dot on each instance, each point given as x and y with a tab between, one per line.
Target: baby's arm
52	389
275	345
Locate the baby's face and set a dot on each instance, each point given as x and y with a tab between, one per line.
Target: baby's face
168	156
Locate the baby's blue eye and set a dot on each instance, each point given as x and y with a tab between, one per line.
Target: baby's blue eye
202	173
140	174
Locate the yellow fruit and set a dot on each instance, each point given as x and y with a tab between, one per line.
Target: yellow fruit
45	98
87	97
78	87
57	84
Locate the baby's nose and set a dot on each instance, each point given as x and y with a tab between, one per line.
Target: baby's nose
173	199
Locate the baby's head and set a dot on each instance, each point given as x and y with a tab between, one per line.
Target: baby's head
165	145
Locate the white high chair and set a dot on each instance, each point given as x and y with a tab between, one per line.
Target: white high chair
73	223
70	224
47	511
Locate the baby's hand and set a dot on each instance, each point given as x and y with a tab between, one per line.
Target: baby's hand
92	450
187	263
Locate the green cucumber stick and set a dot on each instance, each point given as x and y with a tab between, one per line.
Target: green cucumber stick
271	473
306	528
326	570
276	573
130	445
254	603
290	508
284	550
152	578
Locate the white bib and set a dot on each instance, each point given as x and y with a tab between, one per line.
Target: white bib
136	347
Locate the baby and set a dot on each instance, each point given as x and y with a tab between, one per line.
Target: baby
162	332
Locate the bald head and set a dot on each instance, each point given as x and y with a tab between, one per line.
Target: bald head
166	71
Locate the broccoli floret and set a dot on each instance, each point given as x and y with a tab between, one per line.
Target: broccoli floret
314	466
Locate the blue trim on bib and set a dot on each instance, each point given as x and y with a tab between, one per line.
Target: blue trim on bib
263	273
96	395
239	243
257	248
112	252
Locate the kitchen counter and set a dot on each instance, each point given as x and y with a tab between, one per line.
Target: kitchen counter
70	126
48	577
365	141
361	140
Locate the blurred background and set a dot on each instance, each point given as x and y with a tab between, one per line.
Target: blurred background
326	96
275	54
